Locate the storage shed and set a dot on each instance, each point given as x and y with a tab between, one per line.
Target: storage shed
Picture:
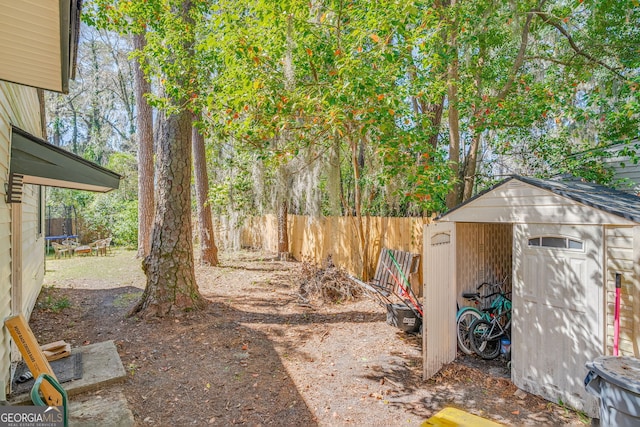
560	244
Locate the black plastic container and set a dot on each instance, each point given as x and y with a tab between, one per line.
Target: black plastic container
403	318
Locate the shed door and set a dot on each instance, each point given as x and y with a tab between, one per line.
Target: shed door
439	327
558	318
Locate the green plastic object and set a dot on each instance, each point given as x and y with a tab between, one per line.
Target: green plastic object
37	399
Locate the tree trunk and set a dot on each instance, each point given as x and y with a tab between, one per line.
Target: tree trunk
470	168
144	124
171	283
57	135
169	267
43	113
362	229
283	232
282	192
455	196
434	113
208	249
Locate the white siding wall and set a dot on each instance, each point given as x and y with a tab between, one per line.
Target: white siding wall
621	256
32	249
629	171
18	106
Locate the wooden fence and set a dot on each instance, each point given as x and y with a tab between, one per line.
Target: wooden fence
314	239
75	226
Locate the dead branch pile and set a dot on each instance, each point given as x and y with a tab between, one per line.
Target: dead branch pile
328	284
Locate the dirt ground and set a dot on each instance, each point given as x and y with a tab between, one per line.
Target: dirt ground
257	356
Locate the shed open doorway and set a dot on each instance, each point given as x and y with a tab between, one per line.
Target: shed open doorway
458	257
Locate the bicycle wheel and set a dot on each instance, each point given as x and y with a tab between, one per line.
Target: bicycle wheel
478	331
465	319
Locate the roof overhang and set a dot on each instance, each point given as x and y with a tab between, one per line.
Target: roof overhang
38	42
41	163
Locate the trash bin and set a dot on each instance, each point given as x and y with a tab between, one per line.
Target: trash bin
616	381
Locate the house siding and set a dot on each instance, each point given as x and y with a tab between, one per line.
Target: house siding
18	106
624	169
32	249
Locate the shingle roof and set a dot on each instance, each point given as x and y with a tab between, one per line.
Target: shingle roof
597	196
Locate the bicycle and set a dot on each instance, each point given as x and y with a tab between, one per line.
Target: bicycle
467	315
485	335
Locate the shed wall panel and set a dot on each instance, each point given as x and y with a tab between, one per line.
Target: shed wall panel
470	273
621	257
439	327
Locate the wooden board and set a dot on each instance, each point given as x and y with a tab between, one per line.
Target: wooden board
384	276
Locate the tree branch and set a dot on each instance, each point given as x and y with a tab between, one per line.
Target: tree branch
548	59
524	41
557	25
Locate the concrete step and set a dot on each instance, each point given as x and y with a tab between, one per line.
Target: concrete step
101	366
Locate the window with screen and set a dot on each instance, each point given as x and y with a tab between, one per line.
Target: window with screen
556	243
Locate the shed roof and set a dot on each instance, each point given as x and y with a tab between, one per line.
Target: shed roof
605	199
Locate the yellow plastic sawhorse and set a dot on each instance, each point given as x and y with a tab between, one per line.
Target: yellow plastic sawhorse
451	417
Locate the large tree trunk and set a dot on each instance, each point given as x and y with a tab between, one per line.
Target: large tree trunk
171	283
144	124
282	192
208	249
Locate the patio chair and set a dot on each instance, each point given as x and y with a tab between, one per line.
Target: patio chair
107	244
60	250
99	247
70	243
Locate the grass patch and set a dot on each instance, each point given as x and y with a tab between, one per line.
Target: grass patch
120	267
49	300
125	300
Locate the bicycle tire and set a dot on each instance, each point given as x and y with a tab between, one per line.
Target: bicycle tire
465	319
487	349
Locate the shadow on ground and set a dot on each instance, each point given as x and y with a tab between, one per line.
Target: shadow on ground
203	368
